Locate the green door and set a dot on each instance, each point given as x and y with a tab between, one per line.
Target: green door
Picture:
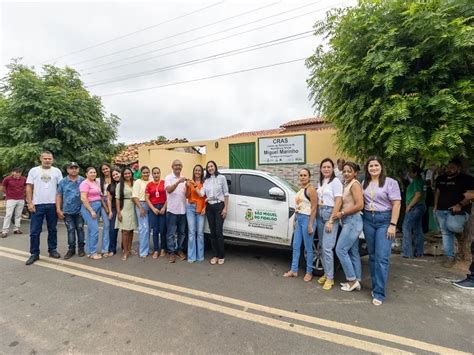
242	156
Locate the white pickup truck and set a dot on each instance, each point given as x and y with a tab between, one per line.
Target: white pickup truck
262	210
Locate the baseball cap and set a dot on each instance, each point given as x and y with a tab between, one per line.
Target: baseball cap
73	164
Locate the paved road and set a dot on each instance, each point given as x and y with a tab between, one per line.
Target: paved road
244	306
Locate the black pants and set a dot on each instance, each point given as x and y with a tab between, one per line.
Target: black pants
216	224
471	269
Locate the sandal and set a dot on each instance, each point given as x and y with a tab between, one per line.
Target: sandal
124	257
213	261
220	261
290	274
155	255
95	256
376	302
308	277
106	255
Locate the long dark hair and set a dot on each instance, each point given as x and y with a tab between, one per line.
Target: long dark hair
122	185
202	172
112	181
102	176
321	176
382	176
216	173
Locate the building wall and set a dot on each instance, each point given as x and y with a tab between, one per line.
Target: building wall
163	158
320	144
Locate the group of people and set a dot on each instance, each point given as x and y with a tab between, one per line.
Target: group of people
339	208
341	204
148	204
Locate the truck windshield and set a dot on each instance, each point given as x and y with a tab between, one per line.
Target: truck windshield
286	183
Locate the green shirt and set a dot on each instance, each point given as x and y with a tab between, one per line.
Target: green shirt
417	185
137	175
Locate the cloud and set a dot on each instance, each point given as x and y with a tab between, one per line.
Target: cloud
201	110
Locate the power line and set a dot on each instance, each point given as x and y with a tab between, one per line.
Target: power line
175	35
205	78
221	55
135	32
202	44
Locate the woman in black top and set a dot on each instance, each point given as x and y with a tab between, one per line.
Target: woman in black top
113	232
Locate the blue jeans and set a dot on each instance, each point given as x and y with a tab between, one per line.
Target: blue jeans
175	223
105	231
74	224
449	227
327	241
412	227
195	234
143	230
92	226
379	248
301	235
113	233
158	225
347	248
43	211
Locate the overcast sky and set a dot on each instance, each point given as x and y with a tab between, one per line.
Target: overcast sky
49	32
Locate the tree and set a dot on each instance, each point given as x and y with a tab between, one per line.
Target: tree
395	78
53	112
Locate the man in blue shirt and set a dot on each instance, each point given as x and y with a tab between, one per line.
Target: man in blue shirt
68	207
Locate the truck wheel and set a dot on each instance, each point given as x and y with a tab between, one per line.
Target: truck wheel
318	269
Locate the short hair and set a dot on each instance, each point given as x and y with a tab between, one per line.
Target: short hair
17	170
456	161
46	152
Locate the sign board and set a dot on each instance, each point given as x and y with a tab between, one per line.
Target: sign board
282	150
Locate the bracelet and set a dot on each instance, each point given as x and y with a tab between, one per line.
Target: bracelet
393	224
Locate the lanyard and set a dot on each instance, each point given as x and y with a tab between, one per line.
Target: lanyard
372	192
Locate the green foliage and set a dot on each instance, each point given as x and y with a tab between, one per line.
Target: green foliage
54	112
395	78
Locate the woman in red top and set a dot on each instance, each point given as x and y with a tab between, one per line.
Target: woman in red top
195	214
155	197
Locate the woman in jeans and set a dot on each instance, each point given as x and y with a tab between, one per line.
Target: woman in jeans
347	248
381	210
415	209
330	200
306	202
90	210
195	214
155	196
111	203
217	199
105	179
141	208
126	217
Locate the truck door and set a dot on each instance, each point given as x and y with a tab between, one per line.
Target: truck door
259	216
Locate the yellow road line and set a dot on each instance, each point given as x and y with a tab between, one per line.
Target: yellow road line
294	328
261	308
